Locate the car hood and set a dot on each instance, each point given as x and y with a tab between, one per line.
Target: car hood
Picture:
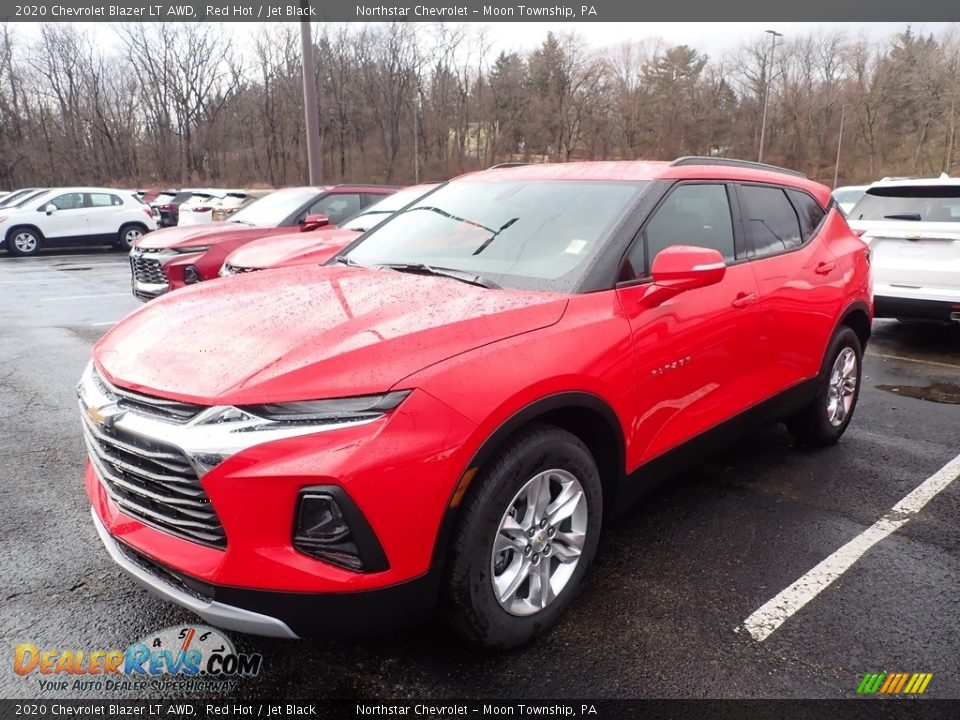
309	332
206	234
297	248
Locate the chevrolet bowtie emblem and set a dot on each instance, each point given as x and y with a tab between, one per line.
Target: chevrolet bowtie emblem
105	416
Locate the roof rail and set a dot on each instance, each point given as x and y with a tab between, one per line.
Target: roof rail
733	162
507	165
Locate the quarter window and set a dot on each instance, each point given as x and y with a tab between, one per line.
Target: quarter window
692	215
772	225
809	210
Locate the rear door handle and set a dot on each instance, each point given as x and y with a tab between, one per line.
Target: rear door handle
744	299
825	268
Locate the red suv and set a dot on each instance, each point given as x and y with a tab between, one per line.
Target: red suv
451	408
174	257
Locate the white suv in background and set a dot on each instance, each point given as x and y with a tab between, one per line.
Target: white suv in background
64	217
913	228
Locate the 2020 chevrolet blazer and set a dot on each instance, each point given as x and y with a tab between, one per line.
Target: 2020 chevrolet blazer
449	410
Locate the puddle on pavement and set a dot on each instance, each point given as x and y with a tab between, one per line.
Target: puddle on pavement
938	392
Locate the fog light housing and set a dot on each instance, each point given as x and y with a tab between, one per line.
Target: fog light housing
328	526
191	275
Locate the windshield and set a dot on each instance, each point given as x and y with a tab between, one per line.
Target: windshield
374	214
537	234
275	208
920	203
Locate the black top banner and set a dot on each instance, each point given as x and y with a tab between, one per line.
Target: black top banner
481	11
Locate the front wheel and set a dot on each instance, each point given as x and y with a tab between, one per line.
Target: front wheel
838	387
24	241
527	534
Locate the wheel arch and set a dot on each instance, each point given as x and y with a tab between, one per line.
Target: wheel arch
583	414
23	226
857	318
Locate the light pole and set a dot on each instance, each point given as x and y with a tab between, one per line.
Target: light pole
836	167
310	104
766	98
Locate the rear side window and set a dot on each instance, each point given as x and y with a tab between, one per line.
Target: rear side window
692	215
810	212
771	223
104	200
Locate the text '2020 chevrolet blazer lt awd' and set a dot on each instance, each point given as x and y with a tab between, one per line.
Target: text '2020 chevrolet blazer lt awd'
446	413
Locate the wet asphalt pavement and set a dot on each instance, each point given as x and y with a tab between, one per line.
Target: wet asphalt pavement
659	612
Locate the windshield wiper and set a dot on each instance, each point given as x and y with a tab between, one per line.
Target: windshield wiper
424	269
903	216
451	216
345	260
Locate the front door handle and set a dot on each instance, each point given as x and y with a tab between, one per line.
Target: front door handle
744	299
825	268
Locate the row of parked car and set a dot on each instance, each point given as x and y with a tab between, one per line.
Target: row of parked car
196	206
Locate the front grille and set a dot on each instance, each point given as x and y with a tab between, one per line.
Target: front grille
149	479
169	410
147	269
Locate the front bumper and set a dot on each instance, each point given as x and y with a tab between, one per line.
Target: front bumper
280	614
400	473
216	613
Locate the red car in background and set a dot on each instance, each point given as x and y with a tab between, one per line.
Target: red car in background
449	410
317	247
173	257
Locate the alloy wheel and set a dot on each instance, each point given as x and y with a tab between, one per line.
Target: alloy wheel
539	542
843	386
131	236
25	242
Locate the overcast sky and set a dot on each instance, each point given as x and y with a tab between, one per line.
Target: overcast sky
711	38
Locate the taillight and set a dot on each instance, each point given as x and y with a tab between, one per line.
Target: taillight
149	213
202	209
168	207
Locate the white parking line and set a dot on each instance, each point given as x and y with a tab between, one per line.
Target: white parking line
914	360
85	297
772	614
100	324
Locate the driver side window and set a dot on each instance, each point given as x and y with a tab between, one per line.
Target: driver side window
692	215
336	207
69	201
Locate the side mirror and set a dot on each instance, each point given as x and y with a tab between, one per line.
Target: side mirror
685	267
312	222
50	209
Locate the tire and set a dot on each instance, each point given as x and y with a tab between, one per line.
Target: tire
24	241
128	235
501	503
823	422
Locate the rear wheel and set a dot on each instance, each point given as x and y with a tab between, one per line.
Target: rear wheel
527	534
24	241
838	387
128	236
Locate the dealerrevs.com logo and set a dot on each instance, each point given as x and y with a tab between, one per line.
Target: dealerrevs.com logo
186	657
